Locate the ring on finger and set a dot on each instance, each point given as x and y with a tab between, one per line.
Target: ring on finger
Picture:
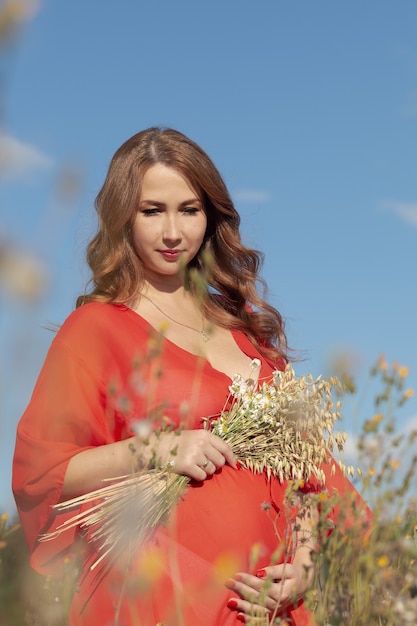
204	465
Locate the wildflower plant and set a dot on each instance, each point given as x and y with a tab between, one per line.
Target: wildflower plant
367	574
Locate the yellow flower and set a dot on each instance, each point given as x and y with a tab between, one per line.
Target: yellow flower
225	566
403	371
377	418
151	565
408	393
296	484
256	551
371	471
395	464
383	561
163	327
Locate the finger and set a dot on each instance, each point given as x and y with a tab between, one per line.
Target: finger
265	593
197	470
260	605
275	572
254	582
210	468
225	450
214	448
263	609
283	593
216	458
196	473
256	613
247	586
249	609
204	470
284	587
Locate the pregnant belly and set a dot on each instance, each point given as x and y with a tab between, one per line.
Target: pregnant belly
234	514
226	524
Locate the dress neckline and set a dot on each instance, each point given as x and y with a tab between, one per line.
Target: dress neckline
241	340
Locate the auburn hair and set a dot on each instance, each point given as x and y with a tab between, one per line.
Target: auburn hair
235	294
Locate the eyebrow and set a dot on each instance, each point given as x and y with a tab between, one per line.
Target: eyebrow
162	204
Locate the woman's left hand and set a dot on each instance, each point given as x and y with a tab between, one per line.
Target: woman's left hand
273	589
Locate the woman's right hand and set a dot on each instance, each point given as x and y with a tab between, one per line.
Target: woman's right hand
194	453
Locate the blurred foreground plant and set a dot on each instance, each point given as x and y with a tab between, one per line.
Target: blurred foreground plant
364	577
26	597
370	578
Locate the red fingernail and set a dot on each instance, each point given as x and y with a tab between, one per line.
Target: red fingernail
232	604
261	573
238	577
240	617
238	465
230	583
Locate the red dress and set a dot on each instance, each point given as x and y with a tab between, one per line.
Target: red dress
107	366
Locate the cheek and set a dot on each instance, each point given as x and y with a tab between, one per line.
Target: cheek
202	230
142	235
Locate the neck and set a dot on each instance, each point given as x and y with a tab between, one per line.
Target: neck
169	305
169	293
154	283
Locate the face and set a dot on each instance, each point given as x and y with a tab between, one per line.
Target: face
170	224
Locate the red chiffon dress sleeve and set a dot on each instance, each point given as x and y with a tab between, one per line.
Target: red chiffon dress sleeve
105	369
68	413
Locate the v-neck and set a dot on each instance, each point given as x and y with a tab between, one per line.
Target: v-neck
241	340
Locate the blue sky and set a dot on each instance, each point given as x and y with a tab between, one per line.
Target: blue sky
309	109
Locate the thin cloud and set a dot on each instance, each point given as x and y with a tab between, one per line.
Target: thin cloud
254	196
350	452
19	160
407	212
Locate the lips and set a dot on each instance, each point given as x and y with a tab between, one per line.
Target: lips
170	255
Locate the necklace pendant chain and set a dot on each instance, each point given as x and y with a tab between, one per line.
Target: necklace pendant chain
204	336
203	333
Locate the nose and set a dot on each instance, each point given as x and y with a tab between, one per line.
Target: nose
172	230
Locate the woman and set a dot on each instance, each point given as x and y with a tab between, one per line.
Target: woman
173	314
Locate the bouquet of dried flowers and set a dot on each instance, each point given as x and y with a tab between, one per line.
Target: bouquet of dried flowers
284	428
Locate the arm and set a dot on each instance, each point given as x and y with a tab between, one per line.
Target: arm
187	451
68	439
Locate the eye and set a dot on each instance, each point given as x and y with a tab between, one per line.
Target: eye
153	211
190	210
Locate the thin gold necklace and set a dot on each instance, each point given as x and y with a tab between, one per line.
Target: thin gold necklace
203	333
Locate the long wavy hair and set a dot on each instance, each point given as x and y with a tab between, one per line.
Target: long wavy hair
235	294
